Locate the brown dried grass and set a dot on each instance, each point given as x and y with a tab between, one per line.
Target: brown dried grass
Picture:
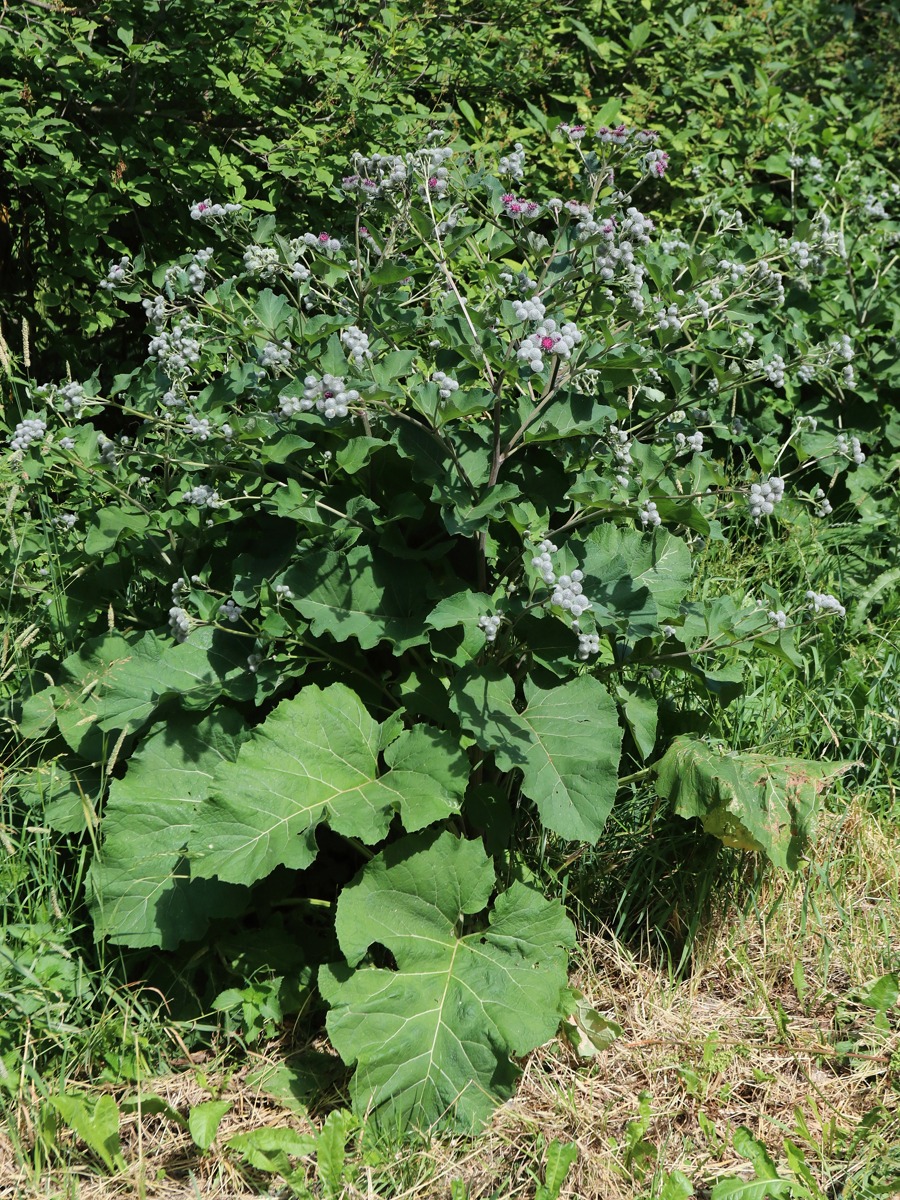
734	1043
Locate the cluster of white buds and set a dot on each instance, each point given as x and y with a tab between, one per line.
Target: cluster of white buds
205	210
71	398
588	644
823	504
374	176
528	310
621	448
329	395
253	661
518	209
491	626
196	271
261	260
656	163
273	357
179	622
513	164
198	427
734	270
544	562
692	442
548	339
446	385
745	341
800	252
774	370
202	496
778	618
850	447
66	520
117	275
356	343
283	592
231	612
107	449
649	515
171	399
569	594
824	602
176	350
155	309
668	318
764	496
27	431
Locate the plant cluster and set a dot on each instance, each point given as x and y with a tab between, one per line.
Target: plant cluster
377	576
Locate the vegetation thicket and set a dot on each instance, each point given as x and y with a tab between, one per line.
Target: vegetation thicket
450	480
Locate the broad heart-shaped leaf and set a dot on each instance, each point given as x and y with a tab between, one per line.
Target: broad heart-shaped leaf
114	682
567	742
461	614
432	1039
429	773
315	758
142	893
748	801
660	562
361	594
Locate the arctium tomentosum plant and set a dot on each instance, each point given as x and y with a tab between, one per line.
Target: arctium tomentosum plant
382	564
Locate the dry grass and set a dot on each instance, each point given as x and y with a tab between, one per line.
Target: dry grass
749	1038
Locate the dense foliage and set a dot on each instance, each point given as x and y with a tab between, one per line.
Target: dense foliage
423	427
386	572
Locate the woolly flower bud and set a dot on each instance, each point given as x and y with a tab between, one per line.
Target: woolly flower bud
205	210
26	432
202	496
230	612
179	622
778	619
261	260
446	385
588	644
764	496
649	515
824	602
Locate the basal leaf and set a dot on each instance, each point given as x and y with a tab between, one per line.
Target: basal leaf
429	773
566	741
314	758
749	801
432	1040
142	892
361	595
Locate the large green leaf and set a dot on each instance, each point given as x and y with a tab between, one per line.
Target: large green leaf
660	562
566	741
142	893
361	595
429	773
116	683
432	1039
749	801
314	759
